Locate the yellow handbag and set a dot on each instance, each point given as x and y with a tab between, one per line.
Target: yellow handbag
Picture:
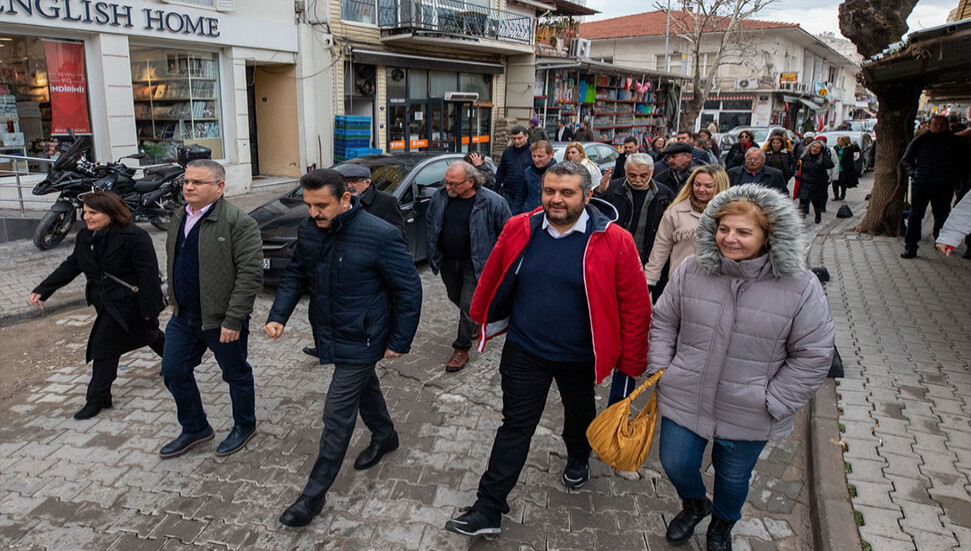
622	442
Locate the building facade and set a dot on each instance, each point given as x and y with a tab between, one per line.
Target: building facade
771	73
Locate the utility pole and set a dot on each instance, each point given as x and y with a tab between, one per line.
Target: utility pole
667	36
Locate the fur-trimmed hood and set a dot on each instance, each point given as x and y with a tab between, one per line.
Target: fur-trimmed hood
788	241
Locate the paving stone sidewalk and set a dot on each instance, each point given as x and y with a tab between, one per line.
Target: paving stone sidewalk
99	484
902	331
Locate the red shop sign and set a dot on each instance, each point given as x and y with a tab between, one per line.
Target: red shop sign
68	87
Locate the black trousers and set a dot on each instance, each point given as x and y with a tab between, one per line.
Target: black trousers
816	196
839	190
353	389
920	196
459	279
104	371
526	380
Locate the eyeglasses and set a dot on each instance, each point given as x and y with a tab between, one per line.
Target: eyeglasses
199	182
455	185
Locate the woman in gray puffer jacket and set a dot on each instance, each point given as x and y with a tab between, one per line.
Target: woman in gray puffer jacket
746	336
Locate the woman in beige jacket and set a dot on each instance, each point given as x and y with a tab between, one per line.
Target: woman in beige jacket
675	239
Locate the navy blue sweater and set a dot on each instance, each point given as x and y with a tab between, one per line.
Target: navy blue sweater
186	271
550	317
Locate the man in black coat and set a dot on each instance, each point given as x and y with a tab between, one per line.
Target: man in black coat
676	166
373	201
630	147
511	173
640	203
365	301
564	131
754	171
936	162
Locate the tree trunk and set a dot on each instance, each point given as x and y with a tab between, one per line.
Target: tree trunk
689	112
895	129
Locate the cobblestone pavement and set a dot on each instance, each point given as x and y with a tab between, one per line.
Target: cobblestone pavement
99	484
902	330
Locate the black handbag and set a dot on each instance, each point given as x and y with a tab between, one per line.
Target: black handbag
836	368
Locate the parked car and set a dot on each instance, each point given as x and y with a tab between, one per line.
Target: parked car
600	154
411	177
861	139
761	133
725	142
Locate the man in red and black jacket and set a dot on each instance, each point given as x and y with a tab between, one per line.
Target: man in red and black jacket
567	286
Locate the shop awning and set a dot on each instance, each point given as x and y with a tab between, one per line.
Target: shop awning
411	61
812	105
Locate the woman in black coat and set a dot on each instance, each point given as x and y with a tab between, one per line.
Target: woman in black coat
117	257
846	150
777	155
736	155
814	178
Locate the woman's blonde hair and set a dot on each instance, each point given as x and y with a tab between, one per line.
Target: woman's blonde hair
717	174
574	145
843	141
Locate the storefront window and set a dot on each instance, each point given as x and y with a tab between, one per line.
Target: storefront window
397	88
176	101
417	84
737	105
481	83
440	82
43	95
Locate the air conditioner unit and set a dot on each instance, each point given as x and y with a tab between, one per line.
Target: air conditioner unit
580	47
747	84
461	96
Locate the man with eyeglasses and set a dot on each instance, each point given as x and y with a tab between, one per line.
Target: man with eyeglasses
464	220
215	265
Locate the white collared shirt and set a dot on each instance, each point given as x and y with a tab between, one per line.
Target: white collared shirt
192	217
579	226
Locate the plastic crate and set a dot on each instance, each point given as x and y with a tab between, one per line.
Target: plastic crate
344	144
352	118
349	132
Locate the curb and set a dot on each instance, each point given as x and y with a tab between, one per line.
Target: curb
833	526
18	317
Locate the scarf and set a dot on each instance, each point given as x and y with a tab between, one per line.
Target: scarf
745	146
696	205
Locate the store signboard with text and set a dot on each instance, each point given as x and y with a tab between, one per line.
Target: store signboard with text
68	87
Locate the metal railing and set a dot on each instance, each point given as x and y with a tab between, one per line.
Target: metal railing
17	173
452	17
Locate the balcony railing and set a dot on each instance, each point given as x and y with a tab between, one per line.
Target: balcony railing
446	17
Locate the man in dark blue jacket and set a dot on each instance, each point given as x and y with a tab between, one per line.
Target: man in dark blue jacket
365	301
464	221
511	174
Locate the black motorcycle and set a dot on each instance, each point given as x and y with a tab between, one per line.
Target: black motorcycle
70	176
155	197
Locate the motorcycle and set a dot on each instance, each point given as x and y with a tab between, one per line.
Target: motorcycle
70	176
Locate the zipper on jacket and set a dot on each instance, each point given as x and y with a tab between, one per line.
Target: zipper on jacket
340	266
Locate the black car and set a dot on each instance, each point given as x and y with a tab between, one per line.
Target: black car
411	177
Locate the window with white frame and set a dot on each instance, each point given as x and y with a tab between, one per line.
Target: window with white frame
674	61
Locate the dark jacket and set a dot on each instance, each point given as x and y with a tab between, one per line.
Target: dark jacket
126	320
537	134
673	179
584	136
936	159
771	178
530	197
815	172
782	160
511	173
365	294
489	215
488	171
384	206
848	176
736	156
230	264
620	172
567	134
620	196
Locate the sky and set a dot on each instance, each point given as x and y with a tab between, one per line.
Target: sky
815	16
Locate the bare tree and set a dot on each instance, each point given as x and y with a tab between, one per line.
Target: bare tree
872	25
701	23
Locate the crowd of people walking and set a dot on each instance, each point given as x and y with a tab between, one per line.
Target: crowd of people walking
667	261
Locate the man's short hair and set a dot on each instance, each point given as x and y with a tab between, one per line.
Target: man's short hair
542	144
688	132
630	139
518	129
758	151
325	177
570	168
215	169
642	159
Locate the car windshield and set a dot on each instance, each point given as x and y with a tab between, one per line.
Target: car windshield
387	173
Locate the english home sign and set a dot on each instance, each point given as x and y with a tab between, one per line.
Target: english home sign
111	14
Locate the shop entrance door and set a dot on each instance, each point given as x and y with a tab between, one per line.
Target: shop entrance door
425	127
471	126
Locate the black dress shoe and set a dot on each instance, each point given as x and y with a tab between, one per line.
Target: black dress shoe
237	438
373	453
91	409
184	442
682	526
909	253
302	512
311	351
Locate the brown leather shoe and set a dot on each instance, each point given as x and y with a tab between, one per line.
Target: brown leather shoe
458	360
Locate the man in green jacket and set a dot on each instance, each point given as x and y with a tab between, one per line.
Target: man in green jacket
215	269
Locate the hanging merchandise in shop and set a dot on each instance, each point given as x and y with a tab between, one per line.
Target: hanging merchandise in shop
112	14
68	87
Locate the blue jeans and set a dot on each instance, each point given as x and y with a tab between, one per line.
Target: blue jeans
185	343
681	453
